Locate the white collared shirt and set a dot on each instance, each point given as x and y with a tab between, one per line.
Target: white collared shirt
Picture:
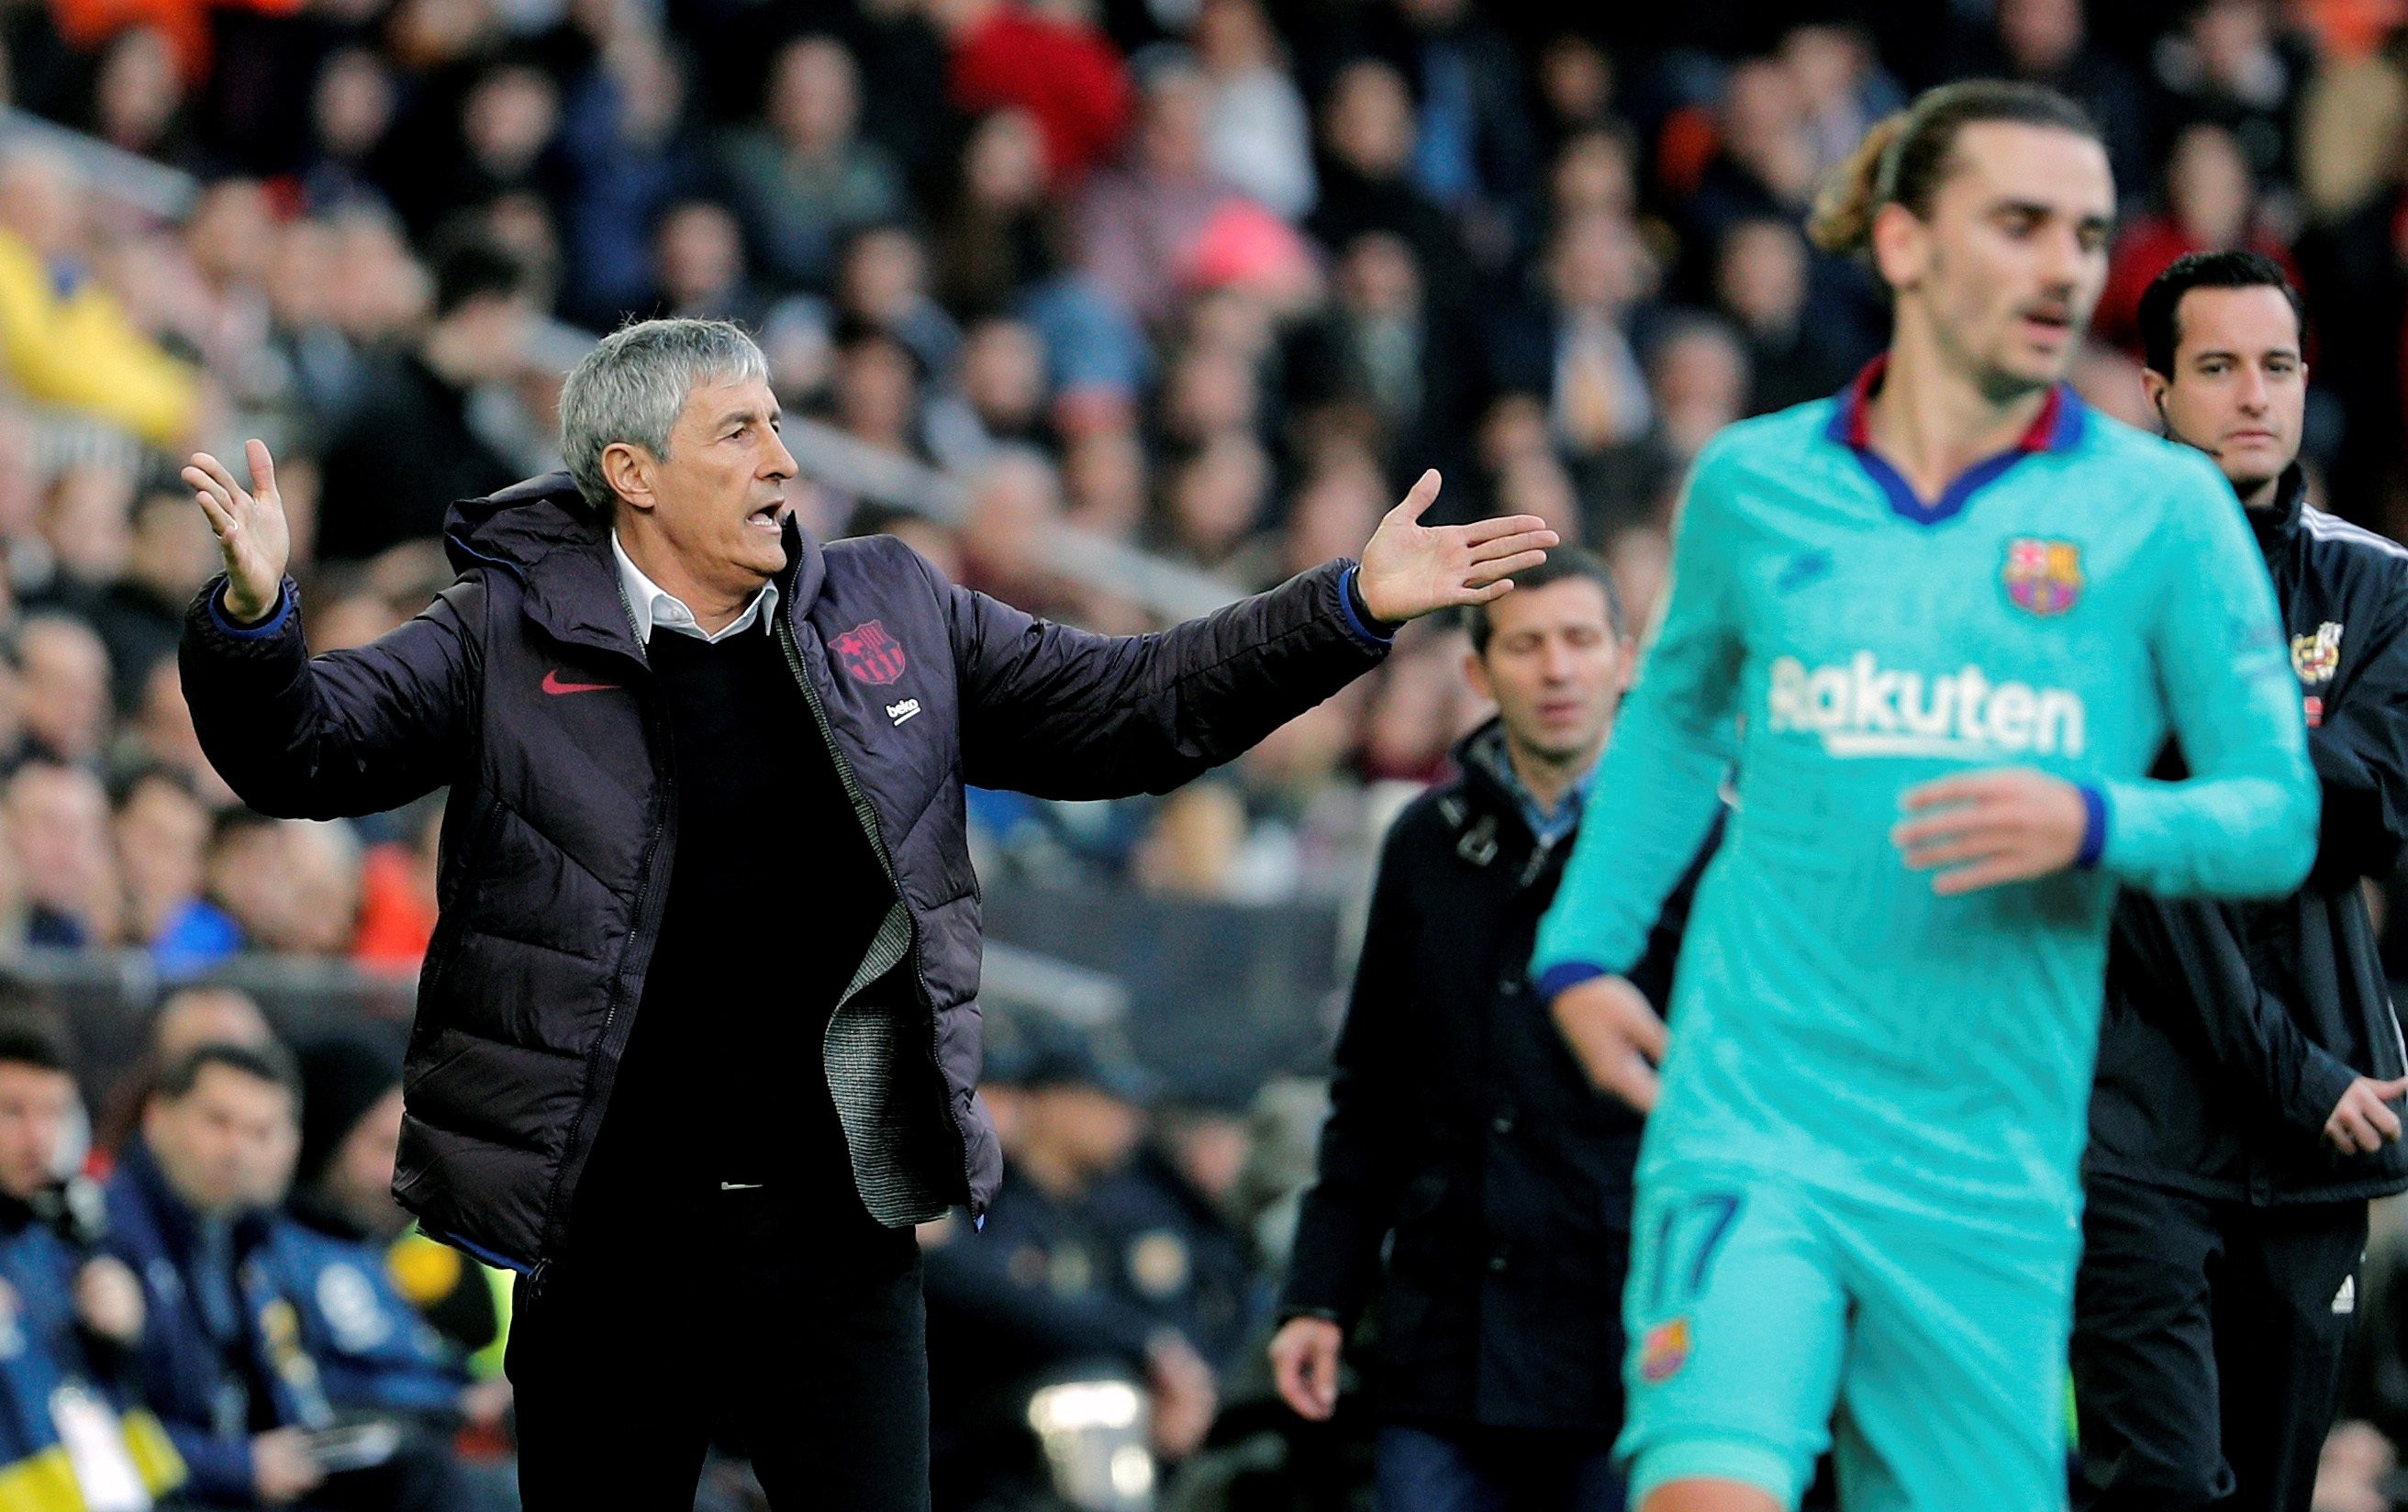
653	605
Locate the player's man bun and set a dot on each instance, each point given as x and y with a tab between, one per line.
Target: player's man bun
1905	158
1842	218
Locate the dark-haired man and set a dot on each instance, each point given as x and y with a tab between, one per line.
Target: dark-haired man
409	447
67	1314
1468	1141
221	1358
2249	1059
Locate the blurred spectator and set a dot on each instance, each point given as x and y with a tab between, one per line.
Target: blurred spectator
883	282
199	1016
627	156
1770	160
698	266
803	179
1066	76
289	885
1575	84
73	1314
1213	503
1000	397
1257	132
1698	382
1046	1286
1016	503
1574	346
1392	355
1340	502
139	104
1593	173
352	113
65	674
1419	707
1841	88
84	523
187	1211
2047	42
397	893
162	833
370	1349
409	447
1105	479
1140	222
58	819
1367	134
163	733
997	231
2229	62
1474	149
185	1020
1760	284
140	615
2210	205
876	392
1188	1263
64	339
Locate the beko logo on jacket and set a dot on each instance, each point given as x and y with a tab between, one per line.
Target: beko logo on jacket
1863	709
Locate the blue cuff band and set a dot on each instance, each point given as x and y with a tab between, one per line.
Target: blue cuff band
1357	620
1568	974
260	630
2094	828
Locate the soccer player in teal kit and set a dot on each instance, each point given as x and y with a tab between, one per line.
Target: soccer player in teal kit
1938	626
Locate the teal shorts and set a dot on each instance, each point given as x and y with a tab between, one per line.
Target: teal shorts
1768	1321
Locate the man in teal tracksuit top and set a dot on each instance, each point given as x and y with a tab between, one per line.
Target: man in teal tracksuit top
1941	625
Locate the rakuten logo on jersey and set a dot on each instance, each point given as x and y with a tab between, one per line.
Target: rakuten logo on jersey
1861	710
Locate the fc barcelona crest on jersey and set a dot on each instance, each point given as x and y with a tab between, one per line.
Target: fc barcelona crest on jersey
1663	1349
2042	577
869	653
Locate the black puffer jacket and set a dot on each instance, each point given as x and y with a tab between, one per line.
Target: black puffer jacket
2232	1029
524	689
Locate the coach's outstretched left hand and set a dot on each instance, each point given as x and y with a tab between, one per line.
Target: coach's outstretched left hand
1410	569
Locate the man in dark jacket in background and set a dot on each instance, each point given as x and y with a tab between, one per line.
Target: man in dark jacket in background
1463	1132
69	1316
703	979
2249	1054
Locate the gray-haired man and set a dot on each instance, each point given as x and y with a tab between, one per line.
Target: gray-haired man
698	1034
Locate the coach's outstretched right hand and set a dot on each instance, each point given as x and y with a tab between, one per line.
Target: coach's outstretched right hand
1614	1035
253	538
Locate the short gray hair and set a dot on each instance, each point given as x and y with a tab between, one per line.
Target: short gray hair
634	384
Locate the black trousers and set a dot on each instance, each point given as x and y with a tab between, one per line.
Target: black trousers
2209	1344
788	1331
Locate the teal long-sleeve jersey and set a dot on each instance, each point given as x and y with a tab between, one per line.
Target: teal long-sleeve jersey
1829	641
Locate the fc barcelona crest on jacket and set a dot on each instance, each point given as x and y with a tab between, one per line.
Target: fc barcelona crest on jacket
2316	658
2042	577
869	653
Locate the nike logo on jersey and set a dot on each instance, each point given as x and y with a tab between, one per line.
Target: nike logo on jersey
1862	710
551	684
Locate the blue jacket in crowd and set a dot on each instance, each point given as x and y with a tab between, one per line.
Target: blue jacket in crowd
48	1367
372	1350
216	1374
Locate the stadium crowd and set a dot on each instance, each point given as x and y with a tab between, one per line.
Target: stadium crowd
1212	278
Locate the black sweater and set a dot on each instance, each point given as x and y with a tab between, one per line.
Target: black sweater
723	1080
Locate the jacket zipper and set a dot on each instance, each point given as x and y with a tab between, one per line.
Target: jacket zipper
594	1094
868	821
